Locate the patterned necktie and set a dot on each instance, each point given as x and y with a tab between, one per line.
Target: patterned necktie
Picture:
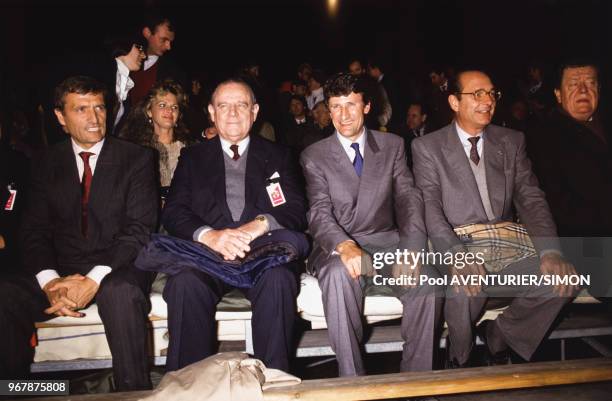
85	188
474	151
358	161
234	148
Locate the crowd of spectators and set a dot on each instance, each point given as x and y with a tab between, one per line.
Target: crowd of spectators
151	102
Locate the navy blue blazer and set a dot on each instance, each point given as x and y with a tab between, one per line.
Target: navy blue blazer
197	194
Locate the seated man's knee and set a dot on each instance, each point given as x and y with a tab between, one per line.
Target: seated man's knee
186	281
334	270
282	276
115	286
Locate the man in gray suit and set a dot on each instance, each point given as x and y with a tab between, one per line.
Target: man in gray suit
474	172
362	200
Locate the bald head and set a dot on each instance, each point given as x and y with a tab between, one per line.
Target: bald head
236	82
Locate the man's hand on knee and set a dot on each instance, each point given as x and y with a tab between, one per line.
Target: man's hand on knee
468	271
350	254
554	264
230	243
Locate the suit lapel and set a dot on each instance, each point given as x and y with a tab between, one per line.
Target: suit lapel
104	176
344	168
493	152
255	175
67	178
370	177
217	168
460	168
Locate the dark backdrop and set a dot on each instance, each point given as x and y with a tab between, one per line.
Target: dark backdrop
218	36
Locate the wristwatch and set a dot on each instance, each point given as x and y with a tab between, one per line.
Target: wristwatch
263	219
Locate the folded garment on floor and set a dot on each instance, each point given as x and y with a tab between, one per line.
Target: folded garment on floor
231	376
170	255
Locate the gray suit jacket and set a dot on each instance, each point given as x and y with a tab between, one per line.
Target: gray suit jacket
380	210
450	192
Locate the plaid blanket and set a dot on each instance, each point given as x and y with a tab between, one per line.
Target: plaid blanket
501	244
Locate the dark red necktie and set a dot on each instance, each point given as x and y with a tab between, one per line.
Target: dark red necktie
85	187
234	148
474	151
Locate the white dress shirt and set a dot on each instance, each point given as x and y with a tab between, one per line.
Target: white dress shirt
315	97
150	61
346	145
242	146
97	273
123	85
467	145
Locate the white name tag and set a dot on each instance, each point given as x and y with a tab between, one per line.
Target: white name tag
276	195
10	203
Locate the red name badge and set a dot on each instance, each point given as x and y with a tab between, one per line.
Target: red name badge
11	200
276	195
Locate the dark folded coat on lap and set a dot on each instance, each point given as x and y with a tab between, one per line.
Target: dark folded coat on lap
170	255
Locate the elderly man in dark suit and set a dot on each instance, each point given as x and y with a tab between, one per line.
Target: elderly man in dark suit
225	193
92	206
363	200
474	172
572	157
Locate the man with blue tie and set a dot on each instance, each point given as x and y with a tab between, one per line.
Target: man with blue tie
363	200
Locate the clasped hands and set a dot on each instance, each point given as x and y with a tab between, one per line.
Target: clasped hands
234	243
69	294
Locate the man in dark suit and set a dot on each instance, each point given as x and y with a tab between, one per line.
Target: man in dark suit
440	112
474	172
223	195
570	150
415	127
91	207
363	200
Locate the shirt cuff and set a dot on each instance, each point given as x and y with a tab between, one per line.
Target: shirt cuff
98	273
44	276
197	235
272	223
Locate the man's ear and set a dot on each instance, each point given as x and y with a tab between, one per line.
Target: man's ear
558	95
60	117
146	32
453	102
211	112
424	117
255	111
366	109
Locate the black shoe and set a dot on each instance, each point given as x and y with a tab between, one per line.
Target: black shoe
489	358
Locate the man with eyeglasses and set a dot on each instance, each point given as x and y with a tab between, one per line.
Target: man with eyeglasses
473	175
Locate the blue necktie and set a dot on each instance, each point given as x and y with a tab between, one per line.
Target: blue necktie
358	161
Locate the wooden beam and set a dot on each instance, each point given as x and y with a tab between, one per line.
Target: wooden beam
416	384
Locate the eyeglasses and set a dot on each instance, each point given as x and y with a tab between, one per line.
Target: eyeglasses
481	94
139	47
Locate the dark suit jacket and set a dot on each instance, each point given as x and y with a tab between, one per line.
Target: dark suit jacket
440	112
197	194
408	135
381	209
450	192
122	210
574	167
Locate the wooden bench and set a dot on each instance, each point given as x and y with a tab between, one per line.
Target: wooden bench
416	384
